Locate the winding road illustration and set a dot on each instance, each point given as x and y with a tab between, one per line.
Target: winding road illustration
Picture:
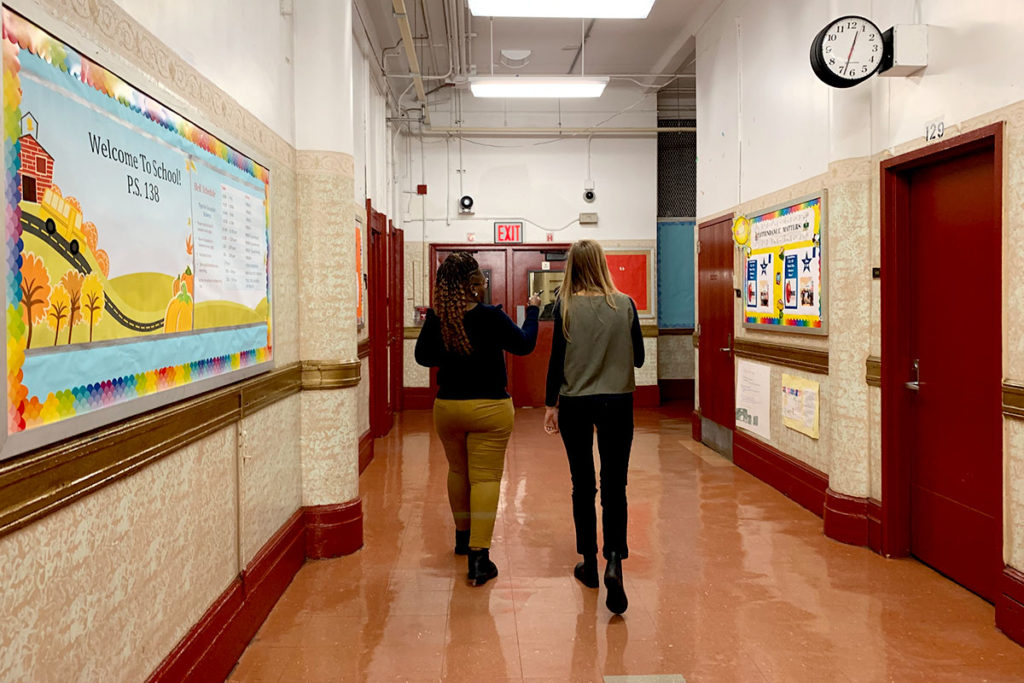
37	227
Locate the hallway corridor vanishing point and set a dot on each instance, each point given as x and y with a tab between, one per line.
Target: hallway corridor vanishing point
727	579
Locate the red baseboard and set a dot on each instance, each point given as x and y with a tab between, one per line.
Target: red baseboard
1010	605
210	649
333	530
676	390
875	525
417	398
365	450
846	518
695	428
799	481
647	396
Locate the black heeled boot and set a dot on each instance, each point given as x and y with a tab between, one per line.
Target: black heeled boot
462	542
616	600
586	572
481	569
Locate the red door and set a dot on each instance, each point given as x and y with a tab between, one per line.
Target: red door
527	374
396	308
381	416
954	372
715	316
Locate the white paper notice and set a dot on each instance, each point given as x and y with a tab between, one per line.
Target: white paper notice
753	398
230	246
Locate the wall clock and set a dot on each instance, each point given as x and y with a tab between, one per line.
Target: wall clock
847	51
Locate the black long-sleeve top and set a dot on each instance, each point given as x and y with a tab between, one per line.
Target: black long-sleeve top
600	360
482	373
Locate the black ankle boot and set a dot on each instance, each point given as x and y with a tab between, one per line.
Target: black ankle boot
481	569
462	542
616	599
586	572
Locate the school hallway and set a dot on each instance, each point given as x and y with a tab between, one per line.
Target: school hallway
728	580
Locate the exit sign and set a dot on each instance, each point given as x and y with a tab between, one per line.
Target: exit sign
508	233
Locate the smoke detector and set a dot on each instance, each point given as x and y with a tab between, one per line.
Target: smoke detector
515	59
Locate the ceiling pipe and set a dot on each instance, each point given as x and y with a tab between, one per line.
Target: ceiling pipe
410	54
553	130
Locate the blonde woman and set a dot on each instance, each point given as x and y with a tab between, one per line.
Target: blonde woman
597	344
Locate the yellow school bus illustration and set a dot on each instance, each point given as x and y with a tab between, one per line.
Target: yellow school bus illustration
64	215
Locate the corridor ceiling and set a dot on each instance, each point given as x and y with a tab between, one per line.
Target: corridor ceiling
450	42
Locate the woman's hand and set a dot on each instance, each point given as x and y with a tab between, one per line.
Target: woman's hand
534	300
551	420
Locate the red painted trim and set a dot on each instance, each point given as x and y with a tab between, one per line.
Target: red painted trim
1010	605
647	396
875	525
895	252
333	530
798	481
695	427
417	398
846	518
676	390
365	450
212	647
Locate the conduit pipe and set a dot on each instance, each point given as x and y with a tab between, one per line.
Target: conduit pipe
410	54
554	130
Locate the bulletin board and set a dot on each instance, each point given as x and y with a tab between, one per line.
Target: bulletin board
785	267
631	272
136	244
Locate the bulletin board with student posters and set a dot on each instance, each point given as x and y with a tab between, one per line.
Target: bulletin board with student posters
785	267
136	248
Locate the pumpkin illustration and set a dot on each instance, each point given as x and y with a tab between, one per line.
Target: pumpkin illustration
179	312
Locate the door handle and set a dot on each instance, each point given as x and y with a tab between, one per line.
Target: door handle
728	340
915	384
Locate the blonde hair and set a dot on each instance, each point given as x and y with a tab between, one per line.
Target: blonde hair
586	270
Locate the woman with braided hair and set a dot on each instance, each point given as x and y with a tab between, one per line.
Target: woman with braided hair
466	340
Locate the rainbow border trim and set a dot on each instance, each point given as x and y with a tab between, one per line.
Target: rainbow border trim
24	412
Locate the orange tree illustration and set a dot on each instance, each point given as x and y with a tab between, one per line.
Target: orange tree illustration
72	282
92	300
35	291
60	305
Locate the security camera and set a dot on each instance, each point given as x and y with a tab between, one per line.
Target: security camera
589	195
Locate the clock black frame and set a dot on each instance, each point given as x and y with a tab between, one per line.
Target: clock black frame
826	75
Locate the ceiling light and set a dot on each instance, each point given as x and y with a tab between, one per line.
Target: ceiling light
537	86
587	9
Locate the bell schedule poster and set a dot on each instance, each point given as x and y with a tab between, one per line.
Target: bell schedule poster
136	247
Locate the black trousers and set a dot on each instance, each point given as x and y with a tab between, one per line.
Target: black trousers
612	414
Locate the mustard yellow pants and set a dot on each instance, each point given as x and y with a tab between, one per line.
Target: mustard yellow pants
474	433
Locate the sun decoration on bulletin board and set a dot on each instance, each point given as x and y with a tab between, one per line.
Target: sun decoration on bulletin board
741	230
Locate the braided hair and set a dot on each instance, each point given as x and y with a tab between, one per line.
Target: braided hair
451	295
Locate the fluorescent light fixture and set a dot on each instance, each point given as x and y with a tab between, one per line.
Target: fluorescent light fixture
537	86
587	9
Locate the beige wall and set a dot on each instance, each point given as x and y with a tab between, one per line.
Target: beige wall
104	588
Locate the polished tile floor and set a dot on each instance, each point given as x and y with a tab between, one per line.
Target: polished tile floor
727	579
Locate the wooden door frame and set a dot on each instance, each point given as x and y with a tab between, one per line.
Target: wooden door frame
730	217
895	289
396	317
377	309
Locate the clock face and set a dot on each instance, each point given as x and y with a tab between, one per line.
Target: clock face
847	51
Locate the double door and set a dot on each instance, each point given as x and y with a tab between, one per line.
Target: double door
512	275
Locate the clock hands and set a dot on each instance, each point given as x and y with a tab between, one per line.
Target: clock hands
846	69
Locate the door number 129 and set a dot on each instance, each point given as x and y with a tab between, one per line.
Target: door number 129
934	130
